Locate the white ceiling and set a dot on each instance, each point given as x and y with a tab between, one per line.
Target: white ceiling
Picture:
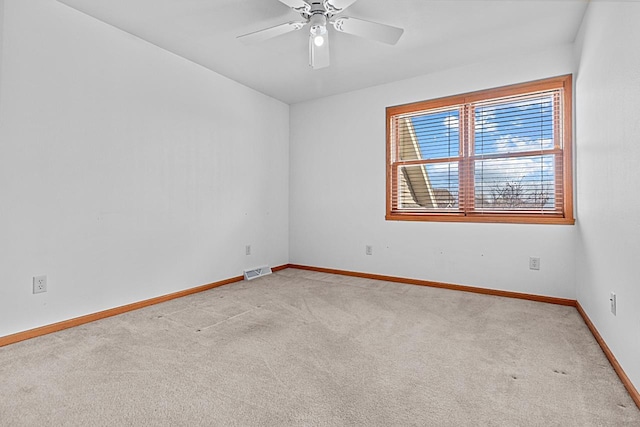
439	34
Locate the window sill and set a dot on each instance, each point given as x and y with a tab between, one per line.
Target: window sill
480	218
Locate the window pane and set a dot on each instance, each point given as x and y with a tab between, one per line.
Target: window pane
433	186
429	136
518	183
515	126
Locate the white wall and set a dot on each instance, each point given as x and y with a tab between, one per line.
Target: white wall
608	131
126	172
338	192
1	43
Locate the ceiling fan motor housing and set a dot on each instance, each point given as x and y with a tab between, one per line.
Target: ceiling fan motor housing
317	8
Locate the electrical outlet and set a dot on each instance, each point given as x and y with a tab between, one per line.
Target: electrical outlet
39	284
534	263
612	301
368	250
247	250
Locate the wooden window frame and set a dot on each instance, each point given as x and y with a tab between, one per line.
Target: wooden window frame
564	175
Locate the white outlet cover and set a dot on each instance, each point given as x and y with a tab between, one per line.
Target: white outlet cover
534	263
39	284
612	300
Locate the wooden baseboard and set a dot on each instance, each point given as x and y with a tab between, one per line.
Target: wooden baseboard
66	324
633	392
508	294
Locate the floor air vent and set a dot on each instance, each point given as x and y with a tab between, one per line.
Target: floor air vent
256	272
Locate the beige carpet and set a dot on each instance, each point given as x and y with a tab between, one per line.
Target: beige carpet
312	349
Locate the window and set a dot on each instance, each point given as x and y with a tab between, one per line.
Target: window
500	155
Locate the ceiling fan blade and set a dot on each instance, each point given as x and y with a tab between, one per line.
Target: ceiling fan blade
267	33
319	55
297	5
338	5
371	30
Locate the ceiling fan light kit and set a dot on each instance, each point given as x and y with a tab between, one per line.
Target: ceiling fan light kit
318	28
317	14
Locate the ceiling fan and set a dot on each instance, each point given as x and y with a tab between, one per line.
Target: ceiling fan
318	14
